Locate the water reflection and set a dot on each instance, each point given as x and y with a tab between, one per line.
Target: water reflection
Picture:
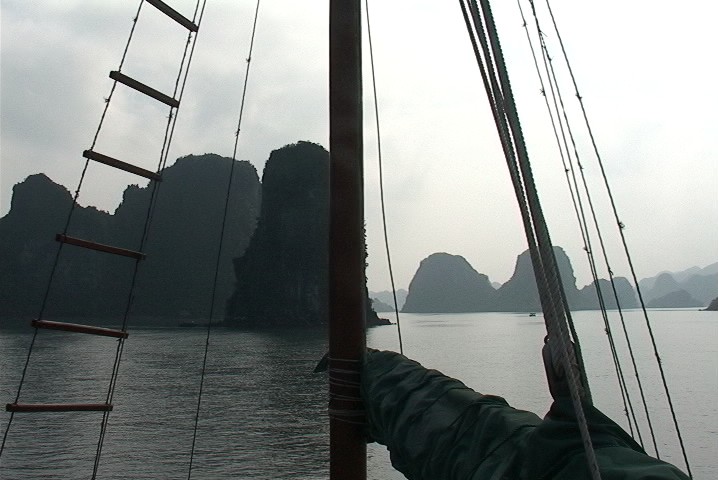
264	412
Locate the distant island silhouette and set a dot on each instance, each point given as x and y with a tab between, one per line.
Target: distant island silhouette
273	269
384	301
281	281
446	283
701	285
175	279
676	299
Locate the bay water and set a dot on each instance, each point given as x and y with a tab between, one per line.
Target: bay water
263	412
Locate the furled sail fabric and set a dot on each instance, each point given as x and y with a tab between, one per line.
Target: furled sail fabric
435	427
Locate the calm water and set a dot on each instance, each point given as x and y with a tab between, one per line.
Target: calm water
263	412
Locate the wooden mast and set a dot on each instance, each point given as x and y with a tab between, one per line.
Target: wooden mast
347	341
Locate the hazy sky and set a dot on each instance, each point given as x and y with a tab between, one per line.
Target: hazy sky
646	70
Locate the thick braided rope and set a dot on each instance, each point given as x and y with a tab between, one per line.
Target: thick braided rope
547	277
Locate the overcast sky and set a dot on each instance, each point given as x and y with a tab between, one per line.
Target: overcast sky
646	70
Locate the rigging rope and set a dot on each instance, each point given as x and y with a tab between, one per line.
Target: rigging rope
578	205
550	287
620	227
180	84
66	227
381	179
554	85
221	241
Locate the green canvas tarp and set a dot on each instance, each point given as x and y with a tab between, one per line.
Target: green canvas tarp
435	427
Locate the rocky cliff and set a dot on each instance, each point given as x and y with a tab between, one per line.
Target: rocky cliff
676	299
700	283
38	211
173	280
183	241
624	291
520	293
282	279
446	283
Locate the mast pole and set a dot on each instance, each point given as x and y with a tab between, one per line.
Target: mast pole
347	282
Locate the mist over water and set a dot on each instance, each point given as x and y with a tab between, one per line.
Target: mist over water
264	413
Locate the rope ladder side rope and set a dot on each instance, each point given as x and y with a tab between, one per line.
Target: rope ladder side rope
89	154
73	206
180	84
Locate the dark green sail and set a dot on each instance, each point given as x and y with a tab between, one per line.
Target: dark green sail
435	427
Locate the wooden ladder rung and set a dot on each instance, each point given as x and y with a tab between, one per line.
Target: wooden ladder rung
173	14
58	407
99	246
78	328
141	87
127	167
